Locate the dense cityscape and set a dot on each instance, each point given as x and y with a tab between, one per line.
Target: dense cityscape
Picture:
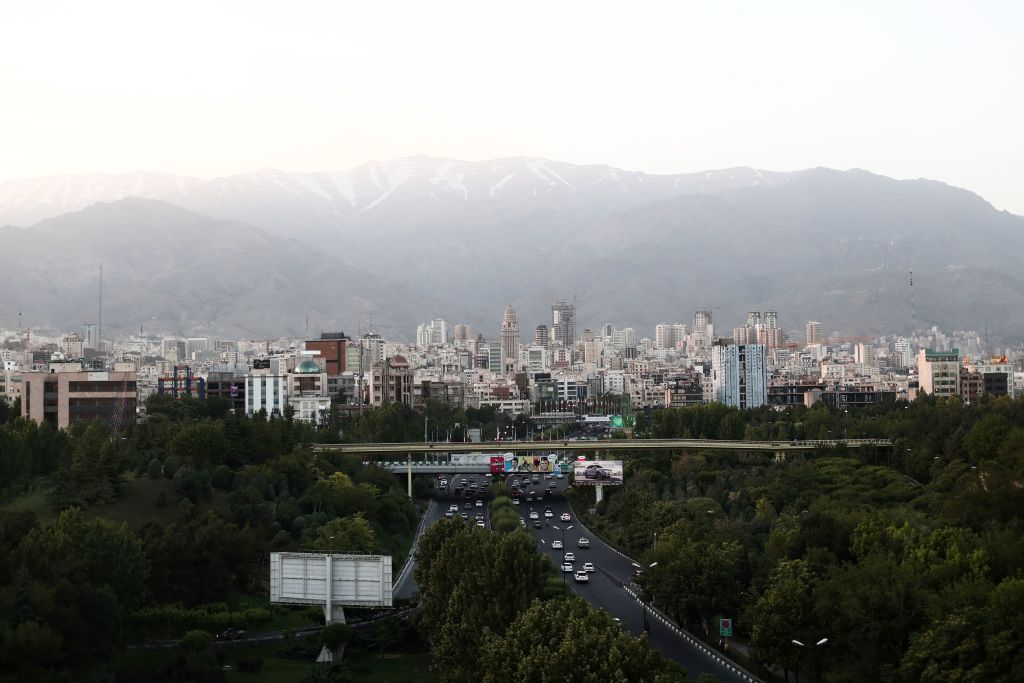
558	368
469	342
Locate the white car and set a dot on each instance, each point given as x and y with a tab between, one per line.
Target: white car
479	503
565	517
569	557
588	566
549	513
567	567
582	576
534	515
583	543
515	501
480	523
556	545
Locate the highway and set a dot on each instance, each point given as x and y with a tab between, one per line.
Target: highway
605	588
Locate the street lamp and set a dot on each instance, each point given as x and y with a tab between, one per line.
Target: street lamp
643	605
817	644
560	567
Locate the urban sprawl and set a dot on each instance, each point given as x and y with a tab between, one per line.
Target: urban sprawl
79	376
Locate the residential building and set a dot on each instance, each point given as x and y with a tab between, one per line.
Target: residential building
563	323
939	372
391	382
739	374
540	336
813	332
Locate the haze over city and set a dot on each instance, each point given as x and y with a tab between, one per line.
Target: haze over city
468	342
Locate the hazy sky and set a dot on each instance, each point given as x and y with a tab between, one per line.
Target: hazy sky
907	89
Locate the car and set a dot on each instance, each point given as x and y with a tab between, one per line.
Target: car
529	498
547	476
231	634
449	514
522	521
549	513
536	524
479	517
583	543
552	486
556	545
444	483
569	557
468	506
479	503
567	567
582	576
480	523
515	501
597	472
588	566
453	507
565	517
534	515
465	516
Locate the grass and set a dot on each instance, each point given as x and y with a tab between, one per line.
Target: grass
36	501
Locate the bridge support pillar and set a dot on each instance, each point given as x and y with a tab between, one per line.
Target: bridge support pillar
599	490
780	456
408	471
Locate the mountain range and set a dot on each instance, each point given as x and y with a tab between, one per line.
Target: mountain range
390	244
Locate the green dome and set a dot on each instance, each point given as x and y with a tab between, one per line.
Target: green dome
308	367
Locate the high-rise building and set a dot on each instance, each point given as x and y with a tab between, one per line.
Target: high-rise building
939	372
463	333
90	335
563	323
738	375
666	336
540	336
813	333
753	318
904	357
509	335
864	354
701	320
771	320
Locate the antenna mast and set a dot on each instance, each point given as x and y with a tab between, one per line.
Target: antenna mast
99	322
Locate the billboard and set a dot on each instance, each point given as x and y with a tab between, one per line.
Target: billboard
329	578
593	472
534	463
497	464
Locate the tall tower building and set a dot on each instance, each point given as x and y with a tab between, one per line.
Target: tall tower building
771	320
701	320
509	335
563	323
753	318
813	332
739	375
540	336
463	333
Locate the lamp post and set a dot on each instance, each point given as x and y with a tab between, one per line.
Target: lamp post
562	569
799	644
643	606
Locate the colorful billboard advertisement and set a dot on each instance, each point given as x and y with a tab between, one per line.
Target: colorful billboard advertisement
594	472
534	463
497	464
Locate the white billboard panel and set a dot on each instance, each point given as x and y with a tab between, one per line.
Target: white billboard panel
322	578
594	472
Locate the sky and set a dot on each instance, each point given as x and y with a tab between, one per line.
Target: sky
907	89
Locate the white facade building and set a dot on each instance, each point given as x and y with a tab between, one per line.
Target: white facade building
738	375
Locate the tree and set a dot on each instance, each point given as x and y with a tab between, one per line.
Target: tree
196	646
592	647
346	535
785	612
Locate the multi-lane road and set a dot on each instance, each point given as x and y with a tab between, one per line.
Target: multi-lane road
606	588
